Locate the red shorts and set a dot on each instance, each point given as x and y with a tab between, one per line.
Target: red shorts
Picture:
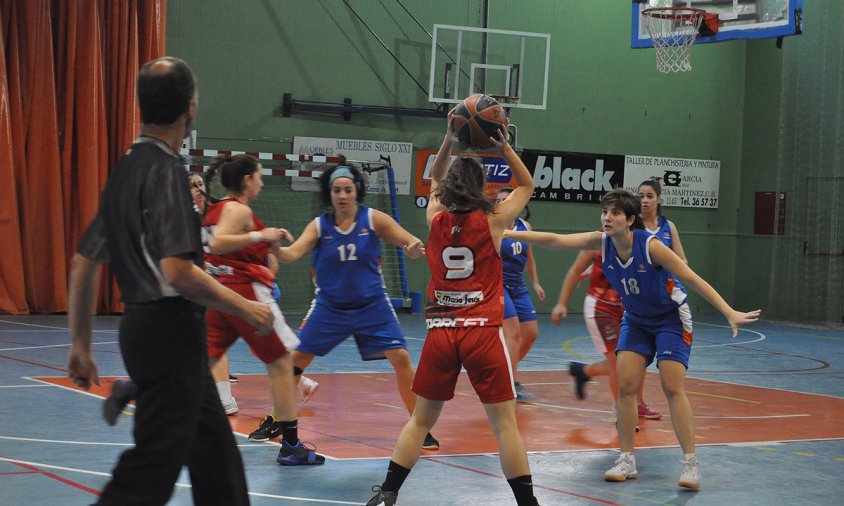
224	329
481	350
604	323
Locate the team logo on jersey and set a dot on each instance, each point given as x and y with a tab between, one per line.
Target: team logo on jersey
433	323
364	231
641	268
455	230
458	299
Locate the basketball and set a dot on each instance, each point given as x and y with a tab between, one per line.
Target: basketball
478	118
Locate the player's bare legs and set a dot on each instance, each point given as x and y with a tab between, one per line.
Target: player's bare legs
511	448
631	372
400	360
409	445
673	375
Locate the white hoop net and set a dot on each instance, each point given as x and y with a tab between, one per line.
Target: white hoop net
673	31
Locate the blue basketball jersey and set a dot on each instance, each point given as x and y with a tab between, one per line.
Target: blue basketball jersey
514	255
646	291
663	231
348	262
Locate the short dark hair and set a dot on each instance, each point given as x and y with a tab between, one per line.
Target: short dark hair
325	182
165	95
627	202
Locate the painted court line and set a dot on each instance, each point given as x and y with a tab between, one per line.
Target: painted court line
37	466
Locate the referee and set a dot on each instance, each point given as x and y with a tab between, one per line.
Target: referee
149	229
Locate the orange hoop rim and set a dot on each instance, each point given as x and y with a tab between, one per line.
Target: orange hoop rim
684	13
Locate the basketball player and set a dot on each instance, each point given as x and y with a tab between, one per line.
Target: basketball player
464	313
520	327
350	298
237	247
657	320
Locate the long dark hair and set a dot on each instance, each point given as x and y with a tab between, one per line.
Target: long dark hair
325	182
463	187
627	202
231	170
653	182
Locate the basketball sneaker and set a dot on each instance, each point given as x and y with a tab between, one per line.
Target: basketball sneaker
233	379
382	497
690	478
122	391
645	411
307	388
430	443
576	370
624	468
522	395
269	429
298	455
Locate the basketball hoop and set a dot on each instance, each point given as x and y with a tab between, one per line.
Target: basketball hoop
673	30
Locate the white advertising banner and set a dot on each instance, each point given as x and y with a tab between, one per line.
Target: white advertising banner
400	153
685	182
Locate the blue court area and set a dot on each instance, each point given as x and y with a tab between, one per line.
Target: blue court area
56	449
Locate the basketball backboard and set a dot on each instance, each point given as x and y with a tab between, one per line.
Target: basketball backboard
466	60
737	19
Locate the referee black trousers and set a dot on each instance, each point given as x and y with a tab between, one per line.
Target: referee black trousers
179	420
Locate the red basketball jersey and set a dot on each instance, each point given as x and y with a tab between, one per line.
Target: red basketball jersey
466	287
242	266
599	285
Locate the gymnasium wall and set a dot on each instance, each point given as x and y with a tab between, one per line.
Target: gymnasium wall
603	97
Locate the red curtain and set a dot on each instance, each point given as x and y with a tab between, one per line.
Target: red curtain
67	111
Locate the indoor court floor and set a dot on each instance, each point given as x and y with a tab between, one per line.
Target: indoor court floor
769	412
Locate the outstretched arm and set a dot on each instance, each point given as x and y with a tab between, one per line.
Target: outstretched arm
662	256
584	240
388	229
573	276
303	245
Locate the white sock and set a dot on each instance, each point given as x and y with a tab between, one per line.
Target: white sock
224	388
689	457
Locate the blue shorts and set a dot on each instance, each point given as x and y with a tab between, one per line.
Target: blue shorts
668	336
517	302
374	326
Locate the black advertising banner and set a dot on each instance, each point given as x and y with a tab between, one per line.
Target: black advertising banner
573	177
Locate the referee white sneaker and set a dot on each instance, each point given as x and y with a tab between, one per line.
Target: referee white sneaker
691	474
624	468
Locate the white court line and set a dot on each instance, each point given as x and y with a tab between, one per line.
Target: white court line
50	327
24	386
184	485
40	346
760	417
761	337
568	408
66	442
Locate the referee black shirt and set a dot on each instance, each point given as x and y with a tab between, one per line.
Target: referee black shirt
146	214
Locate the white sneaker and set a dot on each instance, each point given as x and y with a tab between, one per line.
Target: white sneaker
307	388
230	407
624	468
691	474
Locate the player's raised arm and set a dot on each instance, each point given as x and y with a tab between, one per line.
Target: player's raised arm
662	256
583	240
